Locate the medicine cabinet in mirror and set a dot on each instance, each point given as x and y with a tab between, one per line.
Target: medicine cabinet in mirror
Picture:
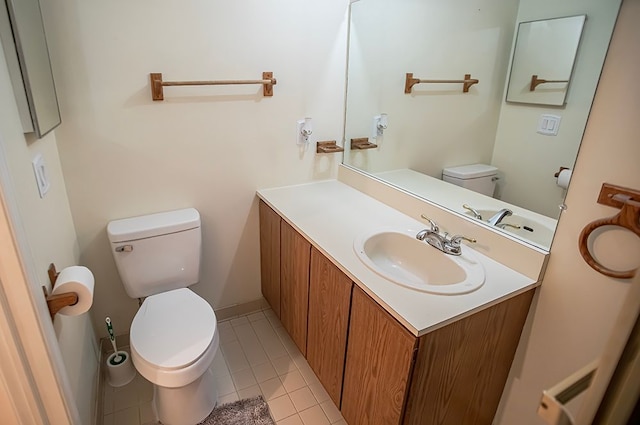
543	59
426	90
25	49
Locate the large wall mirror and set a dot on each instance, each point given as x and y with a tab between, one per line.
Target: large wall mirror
426	90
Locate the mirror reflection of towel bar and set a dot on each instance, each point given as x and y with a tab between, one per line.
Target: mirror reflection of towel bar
467	82
535	82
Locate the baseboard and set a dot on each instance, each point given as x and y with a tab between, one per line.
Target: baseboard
99	406
236	310
223	313
121	341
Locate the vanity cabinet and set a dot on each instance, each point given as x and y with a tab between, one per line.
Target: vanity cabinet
284	272
451	376
373	368
461	369
270	256
329	306
378	368
295	254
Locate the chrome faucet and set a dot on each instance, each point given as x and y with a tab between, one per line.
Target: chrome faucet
497	217
448	245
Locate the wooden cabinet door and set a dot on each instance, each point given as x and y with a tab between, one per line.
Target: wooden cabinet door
295	254
461	369
270	256
329	303
379	361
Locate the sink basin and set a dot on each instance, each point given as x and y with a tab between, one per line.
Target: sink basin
526	228
399	257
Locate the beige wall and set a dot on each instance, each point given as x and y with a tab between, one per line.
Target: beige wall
204	147
529	160
577	306
51	238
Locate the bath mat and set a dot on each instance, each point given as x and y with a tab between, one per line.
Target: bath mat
248	411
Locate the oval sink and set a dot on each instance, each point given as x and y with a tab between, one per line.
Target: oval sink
401	258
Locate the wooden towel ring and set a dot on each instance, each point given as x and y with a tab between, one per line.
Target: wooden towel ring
628	217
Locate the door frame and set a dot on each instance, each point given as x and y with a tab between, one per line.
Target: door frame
33	378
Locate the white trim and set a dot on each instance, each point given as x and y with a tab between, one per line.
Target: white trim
42	379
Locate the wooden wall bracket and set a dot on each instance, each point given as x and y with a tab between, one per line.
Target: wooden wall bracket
328	146
56	302
362	143
628	201
466	83
157	84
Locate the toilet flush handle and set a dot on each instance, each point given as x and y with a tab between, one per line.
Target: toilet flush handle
124	248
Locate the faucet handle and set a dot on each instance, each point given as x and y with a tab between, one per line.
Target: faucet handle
473	211
455	240
433	224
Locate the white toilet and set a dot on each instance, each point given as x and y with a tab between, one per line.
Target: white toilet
173	336
480	178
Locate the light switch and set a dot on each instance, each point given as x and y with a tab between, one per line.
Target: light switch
549	124
42	177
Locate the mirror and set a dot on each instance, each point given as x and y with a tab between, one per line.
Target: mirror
543	59
457	114
25	47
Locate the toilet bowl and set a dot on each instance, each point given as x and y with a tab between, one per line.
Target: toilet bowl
173	336
174	339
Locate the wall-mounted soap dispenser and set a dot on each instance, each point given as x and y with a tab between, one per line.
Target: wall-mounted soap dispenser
304	131
380	123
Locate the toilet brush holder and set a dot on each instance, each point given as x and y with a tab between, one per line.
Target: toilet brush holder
120	370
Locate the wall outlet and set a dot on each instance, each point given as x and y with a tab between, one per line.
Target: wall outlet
42	177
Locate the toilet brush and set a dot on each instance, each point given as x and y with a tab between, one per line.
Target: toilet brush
118	358
120	371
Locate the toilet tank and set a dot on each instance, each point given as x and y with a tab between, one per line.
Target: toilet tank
477	177
157	252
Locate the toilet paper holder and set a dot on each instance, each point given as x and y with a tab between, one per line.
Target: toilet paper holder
556	175
56	302
628	201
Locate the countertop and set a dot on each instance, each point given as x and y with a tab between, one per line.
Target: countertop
331	215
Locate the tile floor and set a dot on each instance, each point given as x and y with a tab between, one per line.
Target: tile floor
256	356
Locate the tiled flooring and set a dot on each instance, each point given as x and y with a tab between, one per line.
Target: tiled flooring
256	356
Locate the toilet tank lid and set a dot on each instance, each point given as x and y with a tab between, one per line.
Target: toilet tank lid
471	171
151	225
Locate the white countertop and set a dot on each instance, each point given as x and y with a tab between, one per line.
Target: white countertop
331	214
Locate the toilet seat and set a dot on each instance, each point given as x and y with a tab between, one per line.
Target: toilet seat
173	338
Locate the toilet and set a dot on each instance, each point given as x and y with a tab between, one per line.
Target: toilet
173	336
480	178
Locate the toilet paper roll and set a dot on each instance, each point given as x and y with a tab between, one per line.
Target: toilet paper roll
76	279
564	177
